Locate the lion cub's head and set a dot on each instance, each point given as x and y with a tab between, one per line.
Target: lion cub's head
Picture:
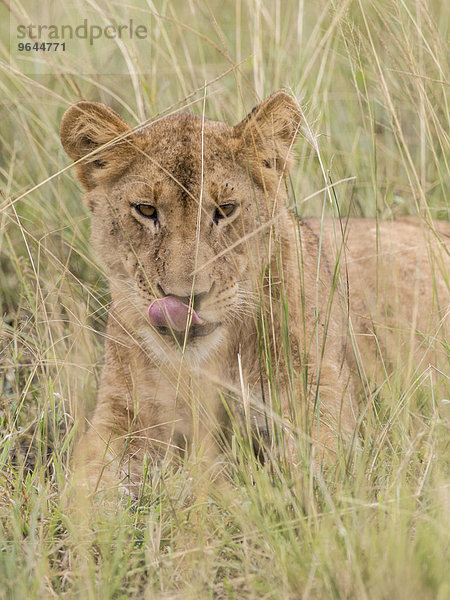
182	210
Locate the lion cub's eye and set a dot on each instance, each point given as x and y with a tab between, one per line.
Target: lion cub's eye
147	211
223	212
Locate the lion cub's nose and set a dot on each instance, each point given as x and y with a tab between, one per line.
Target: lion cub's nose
172	312
193	300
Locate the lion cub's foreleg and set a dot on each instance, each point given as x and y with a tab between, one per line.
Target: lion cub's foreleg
134	435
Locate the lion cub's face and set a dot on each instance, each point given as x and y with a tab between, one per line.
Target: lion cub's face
181	213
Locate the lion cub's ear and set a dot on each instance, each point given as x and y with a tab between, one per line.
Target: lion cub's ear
96	132
270	131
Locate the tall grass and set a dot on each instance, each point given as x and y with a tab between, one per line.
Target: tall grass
370	76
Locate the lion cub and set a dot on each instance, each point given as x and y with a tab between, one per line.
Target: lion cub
223	300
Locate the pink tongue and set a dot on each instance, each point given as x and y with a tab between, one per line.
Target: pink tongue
170	312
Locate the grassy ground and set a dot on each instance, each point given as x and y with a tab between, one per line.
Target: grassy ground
370	77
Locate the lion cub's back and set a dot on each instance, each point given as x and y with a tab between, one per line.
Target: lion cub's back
398	280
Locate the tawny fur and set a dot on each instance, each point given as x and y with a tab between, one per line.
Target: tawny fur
390	290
